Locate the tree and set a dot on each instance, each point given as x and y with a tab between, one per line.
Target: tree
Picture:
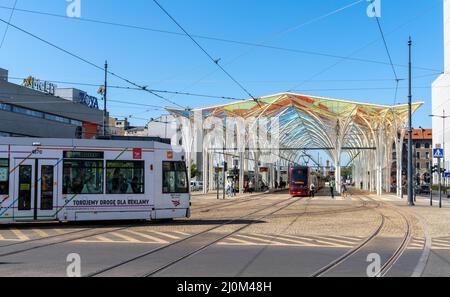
194	170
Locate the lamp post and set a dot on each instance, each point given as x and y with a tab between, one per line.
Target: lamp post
410	153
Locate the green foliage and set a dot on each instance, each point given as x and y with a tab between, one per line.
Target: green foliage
194	170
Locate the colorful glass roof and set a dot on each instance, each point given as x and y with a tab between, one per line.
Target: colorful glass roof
311	122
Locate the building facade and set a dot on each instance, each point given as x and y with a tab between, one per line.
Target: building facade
422	158
39	109
440	95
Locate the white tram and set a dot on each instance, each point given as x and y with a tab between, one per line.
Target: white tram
88	180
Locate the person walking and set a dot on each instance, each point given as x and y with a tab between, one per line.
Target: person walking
344	190
332	189
312	190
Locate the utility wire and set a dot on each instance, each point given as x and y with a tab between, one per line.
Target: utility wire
144	88
215	61
397	80
252	44
140	89
7	26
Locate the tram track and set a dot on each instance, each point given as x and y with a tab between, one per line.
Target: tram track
251	198
390	262
67	240
48	244
195	236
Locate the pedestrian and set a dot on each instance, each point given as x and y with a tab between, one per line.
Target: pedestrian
312	190
332	189
344	190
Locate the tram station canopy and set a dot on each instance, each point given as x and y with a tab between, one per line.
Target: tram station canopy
316	123
311	122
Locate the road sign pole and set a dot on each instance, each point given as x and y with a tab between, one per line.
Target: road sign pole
431	183
440	183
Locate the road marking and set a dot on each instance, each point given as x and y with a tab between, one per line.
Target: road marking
280	237
182	233
315	240
125	237
154	239
59	231
255	238
166	235
240	241
20	235
40	232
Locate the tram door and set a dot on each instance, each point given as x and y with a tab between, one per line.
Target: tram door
35	189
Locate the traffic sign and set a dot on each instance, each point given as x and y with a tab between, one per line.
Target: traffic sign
438	153
446	174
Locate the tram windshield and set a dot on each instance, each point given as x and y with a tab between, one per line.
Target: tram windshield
175	178
300	176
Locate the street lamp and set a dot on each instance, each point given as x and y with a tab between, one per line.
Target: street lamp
410	156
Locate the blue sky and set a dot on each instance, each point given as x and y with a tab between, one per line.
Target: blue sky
171	62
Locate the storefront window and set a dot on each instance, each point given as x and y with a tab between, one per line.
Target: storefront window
4	176
175	178
125	177
83	177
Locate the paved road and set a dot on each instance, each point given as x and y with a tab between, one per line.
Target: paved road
256	235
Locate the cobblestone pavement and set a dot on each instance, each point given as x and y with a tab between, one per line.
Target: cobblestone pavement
268	234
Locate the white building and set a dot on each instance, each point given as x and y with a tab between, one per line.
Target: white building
441	94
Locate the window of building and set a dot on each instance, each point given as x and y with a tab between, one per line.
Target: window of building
76	123
427	155
38	114
5	107
125	177
418	165
427	145
55	118
418	145
428	164
418	155
28	112
4	176
82	177
175	178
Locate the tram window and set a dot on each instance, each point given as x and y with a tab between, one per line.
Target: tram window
4	176
175	178
83	177
125	177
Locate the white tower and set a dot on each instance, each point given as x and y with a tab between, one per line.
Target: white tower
441	93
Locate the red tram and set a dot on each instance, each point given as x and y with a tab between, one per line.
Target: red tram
300	180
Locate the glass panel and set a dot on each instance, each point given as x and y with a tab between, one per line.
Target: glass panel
175	177
4	176
83	177
25	177
28	112
47	179
5	107
125	177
